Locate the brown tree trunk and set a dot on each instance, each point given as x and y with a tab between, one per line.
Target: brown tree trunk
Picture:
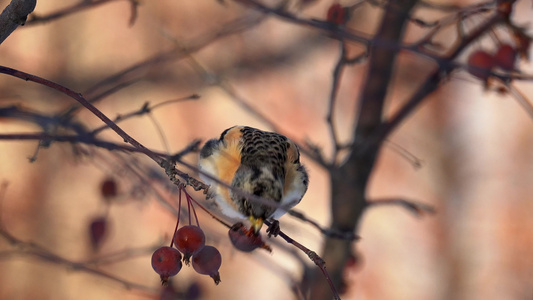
349	181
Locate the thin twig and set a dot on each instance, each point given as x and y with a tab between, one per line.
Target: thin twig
233	27
78	97
121	255
521	99
82	5
343	33
228	89
34	250
411	158
313	256
432	82
145	109
47	138
337	71
350	236
206	210
416	208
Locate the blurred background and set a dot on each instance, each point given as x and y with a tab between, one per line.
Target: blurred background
475	147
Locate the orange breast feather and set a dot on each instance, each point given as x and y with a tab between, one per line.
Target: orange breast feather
228	161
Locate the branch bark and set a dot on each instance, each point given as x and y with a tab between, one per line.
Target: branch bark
14	14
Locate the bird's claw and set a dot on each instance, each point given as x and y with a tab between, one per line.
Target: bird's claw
274	229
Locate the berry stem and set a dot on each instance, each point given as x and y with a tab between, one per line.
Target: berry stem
179	214
188	206
190	200
210	213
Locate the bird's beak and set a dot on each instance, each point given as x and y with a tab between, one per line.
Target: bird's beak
256	224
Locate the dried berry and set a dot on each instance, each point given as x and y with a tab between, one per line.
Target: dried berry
166	262
207	261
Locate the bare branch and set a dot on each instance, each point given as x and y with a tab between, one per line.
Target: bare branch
433	81
313	256
78	97
46	139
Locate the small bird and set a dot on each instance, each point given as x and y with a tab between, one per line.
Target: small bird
256	162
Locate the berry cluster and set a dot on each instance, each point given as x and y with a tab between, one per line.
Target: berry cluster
480	62
188	240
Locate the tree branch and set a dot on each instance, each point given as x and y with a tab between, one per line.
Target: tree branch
349	181
15	14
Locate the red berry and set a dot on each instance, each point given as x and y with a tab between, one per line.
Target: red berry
97	231
189	240
166	262
337	14
244	239
505	58
481	63
207	261
108	189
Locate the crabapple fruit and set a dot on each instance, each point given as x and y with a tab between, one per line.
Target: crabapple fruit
207	261
166	262
189	240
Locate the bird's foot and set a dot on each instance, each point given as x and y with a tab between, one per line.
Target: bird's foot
274	229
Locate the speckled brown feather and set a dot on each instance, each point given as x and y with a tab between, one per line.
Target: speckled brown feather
268	148
264	164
